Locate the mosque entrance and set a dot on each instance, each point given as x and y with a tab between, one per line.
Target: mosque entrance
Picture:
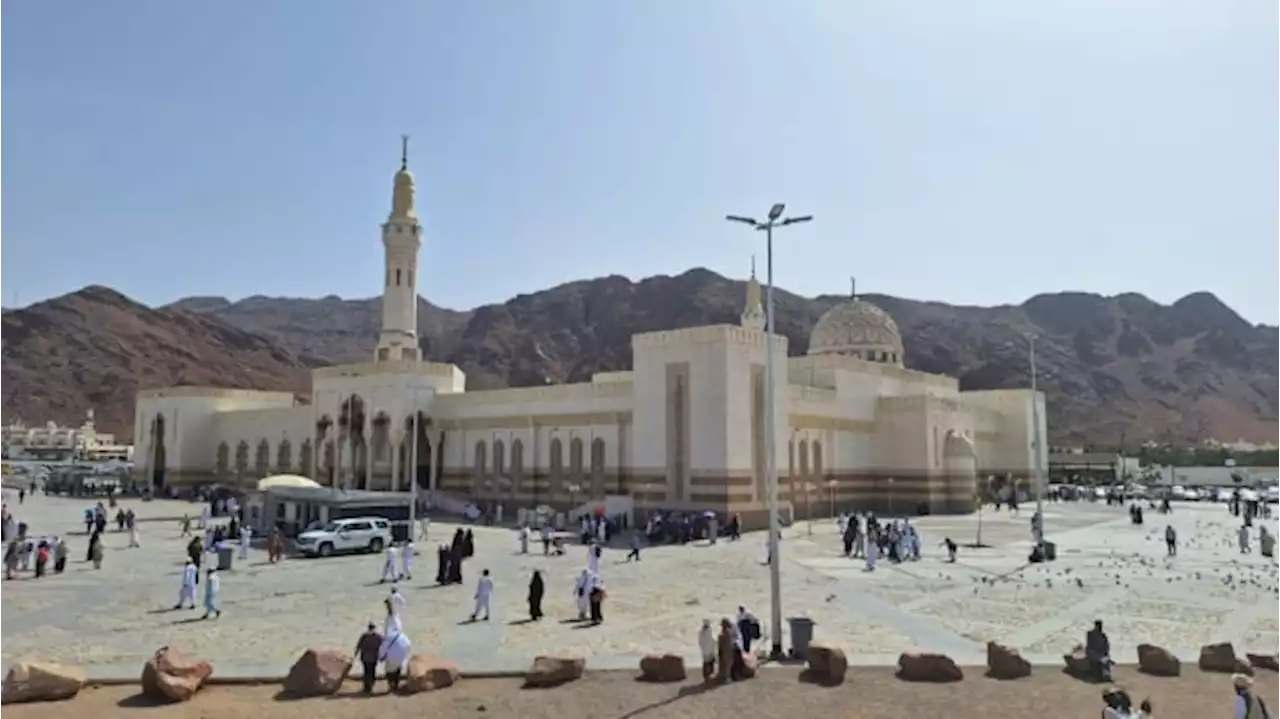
159	453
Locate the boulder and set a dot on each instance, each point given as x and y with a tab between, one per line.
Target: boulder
548	671
427	672
1077	663
1262	661
662	668
928	667
1222	657
1006	663
318	672
827	663
41	682
1158	661
173	676
750	665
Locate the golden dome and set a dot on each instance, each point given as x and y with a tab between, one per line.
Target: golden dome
857	328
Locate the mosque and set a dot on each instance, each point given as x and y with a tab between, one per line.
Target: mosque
684	428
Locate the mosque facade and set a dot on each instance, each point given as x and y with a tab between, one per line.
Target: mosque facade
685	428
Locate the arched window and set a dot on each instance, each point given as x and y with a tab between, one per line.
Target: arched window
817	459
262	462
397	278
597	468
223	460
575	459
481	461
557	466
499	458
284	457
517	463
804	459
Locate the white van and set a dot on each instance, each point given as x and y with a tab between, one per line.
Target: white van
358	534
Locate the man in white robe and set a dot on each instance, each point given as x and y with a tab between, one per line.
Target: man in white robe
602	531
406	560
133	535
580	589
394	652
593	558
524	539
246	538
396	600
188	591
390	572
204	517
484	596
872	549
1243	536
424	528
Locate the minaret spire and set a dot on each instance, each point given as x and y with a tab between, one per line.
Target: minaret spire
753	311
853	288
404	153
753	267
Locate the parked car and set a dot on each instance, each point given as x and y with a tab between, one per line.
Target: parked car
344	536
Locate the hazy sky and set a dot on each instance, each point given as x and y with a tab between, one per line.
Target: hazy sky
971	152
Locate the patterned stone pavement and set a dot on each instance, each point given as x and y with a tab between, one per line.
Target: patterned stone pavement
111	620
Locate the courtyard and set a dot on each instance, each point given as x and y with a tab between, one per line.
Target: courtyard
111	620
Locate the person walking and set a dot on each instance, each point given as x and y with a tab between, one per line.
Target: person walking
367	650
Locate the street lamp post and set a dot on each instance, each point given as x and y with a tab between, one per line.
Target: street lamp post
1036	446
775	219
808	504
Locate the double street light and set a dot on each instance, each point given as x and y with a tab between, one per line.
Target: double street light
775	219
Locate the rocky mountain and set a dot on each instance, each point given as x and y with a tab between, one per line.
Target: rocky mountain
95	348
1115	369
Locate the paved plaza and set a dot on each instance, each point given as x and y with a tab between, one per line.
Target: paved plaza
111	620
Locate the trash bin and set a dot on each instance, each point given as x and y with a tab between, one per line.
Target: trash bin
1050	551
801	635
226	555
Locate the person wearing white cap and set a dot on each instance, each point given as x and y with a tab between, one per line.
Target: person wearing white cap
1248	704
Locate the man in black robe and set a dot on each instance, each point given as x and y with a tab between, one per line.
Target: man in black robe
468	545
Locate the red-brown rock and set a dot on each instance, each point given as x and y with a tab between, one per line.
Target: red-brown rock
1006	663
427	672
1077	663
662	668
750	665
1158	661
928	667
1221	657
173	676
1262	661
318	672
41	682
549	671
827	663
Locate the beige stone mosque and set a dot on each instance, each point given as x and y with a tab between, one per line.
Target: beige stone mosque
684	428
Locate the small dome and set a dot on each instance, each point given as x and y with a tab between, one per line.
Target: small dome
859	329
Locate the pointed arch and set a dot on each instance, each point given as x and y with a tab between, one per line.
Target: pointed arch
304	458
479	466
284	457
222	460
576	460
517	464
817	460
381	437
242	457
557	466
499	458
597	468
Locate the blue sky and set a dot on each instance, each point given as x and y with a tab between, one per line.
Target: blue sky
969	152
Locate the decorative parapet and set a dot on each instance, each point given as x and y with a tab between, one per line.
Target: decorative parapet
214	393
401	366
708	334
861	366
612	377
806	393
547	394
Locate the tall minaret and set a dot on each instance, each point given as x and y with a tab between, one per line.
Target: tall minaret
401	238
753	313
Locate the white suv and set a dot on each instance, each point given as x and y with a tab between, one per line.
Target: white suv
359	534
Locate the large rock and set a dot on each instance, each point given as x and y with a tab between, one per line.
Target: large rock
662	668
1222	657
318	672
827	663
427	672
1262	661
1077	663
750	665
549	671
173	676
1158	661
41	682
928	667
1006	663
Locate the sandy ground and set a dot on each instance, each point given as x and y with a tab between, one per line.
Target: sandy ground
867	694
